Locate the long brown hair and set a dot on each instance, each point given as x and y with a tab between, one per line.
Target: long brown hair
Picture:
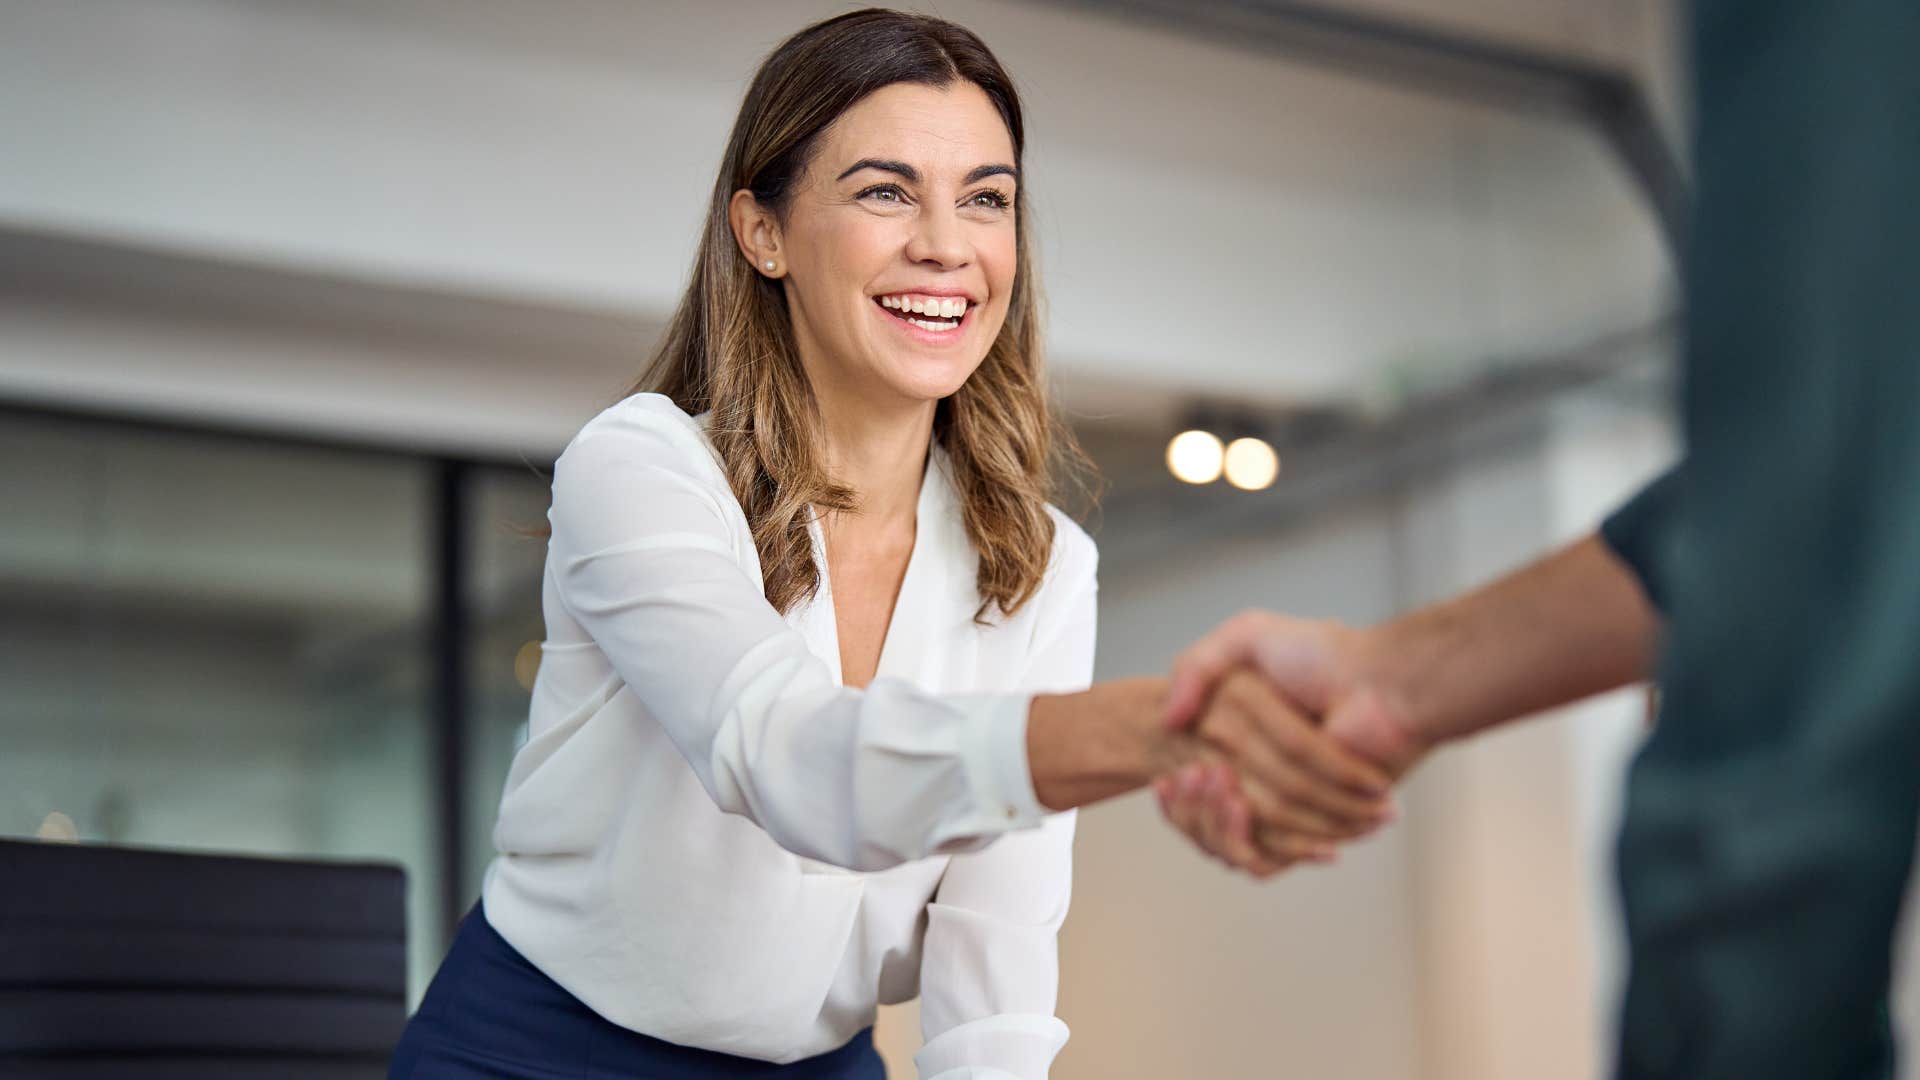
730	347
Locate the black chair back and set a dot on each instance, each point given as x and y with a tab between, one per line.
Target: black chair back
118	962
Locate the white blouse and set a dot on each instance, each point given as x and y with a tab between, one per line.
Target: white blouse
710	840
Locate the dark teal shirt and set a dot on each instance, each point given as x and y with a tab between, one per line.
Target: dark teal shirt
1770	820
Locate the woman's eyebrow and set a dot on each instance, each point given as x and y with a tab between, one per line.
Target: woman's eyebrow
982	172
900	168
912	175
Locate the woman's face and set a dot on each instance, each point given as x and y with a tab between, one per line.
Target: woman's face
898	247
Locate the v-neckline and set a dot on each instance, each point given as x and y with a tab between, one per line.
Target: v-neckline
912	596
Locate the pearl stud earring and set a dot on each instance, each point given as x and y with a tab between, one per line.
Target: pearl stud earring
770	264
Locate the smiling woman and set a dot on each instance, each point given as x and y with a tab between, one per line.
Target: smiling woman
876	158
898	255
814	688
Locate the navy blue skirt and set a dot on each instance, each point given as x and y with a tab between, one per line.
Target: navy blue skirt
489	1013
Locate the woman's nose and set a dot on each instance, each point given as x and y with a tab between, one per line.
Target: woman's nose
939	238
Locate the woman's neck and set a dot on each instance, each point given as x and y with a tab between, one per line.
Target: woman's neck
881	453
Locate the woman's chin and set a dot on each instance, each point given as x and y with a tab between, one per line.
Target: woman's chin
929	379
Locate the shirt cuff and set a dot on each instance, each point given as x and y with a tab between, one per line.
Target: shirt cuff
995	749
1011	1046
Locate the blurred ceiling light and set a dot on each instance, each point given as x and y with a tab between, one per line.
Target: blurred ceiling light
1251	464
58	827
1195	457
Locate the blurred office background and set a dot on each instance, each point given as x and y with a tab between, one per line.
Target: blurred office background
299	299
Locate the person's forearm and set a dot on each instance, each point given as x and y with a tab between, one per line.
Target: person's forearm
1574	624
1102	742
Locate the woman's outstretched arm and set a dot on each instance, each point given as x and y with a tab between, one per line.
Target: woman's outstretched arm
657	573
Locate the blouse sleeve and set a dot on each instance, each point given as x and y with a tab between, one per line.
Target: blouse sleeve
990	969
645	559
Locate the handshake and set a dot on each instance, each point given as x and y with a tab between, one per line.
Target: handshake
1277	739
1300	741
1274	741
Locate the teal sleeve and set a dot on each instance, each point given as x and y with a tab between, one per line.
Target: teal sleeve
1637	532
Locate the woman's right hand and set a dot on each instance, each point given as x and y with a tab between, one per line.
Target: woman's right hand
1340	678
1272	788
1254	781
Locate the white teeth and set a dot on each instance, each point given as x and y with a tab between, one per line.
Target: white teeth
942	307
936	327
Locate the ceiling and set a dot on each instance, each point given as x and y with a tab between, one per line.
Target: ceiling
1216	224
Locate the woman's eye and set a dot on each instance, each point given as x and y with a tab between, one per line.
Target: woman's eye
993	199
885	193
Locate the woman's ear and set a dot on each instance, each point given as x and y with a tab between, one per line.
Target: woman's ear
757	232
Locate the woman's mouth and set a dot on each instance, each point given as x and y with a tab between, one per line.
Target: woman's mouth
935	314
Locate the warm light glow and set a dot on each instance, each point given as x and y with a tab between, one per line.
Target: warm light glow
526	664
1251	464
58	827
1195	456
